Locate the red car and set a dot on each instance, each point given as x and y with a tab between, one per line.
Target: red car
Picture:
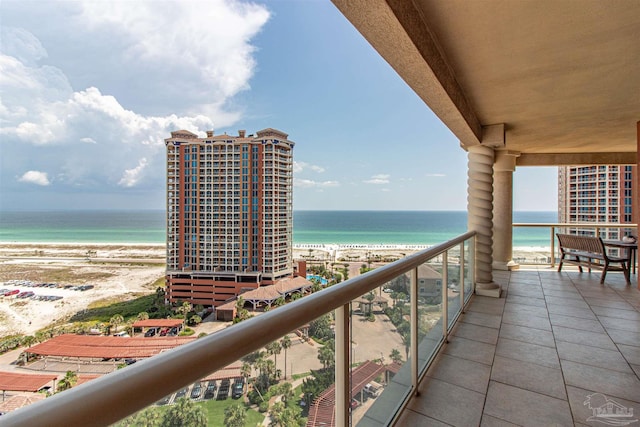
13	292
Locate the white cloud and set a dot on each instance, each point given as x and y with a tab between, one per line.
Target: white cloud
307	183
435	175
302	166
380	179
132	176
35	177
86	134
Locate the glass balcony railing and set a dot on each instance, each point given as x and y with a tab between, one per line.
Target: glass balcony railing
375	336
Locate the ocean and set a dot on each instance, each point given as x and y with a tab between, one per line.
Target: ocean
319	227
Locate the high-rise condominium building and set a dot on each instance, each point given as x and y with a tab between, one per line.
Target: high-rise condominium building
597	193
229	214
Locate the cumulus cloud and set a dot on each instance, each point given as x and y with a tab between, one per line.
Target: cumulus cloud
120	87
35	177
131	176
380	179
307	183
302	166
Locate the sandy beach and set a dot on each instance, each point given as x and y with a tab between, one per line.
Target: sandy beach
124	271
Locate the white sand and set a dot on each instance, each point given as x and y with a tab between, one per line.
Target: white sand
131	269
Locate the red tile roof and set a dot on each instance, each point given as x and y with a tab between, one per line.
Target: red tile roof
12	381
158	323
106	347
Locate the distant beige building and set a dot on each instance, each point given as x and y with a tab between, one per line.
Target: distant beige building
229	214
597	193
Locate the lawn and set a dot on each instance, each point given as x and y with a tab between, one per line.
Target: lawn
215	412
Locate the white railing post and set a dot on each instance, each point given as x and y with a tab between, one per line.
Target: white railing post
413	300
553	246
462	277
472	263
445	296
342	355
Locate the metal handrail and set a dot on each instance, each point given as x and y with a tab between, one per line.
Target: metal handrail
553	225
110	398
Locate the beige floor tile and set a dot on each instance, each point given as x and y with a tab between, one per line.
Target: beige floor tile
622	324
617	313
594	339
528	352
526	319
567	302
477	333
526	334
529	376
517	299
593	356
412	419
612	383
448	403
630	353
614	302
470	350
624	337
575	323
481	319
582	406
461	372
489	421
510	307
567	310
526	408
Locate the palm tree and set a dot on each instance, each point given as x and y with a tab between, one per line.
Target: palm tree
245	371
143	315
69	380
326	356
184	412
234	416
285	343
274	349
116	320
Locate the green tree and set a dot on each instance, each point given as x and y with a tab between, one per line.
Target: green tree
273	348
235	416
116	320
142	315
326	356
69	380
185	413
396	356
285	343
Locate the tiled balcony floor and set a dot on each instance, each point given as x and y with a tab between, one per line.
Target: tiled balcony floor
532	357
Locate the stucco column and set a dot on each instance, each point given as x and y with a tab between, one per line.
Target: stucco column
503	168
480	215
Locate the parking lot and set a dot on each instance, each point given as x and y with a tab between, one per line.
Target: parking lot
208	390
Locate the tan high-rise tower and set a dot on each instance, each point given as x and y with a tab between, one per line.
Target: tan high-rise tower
597	193
229	214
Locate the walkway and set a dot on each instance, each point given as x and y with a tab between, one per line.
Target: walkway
536	356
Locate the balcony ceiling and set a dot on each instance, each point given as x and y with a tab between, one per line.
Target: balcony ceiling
562	76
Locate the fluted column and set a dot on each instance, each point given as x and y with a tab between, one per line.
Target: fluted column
480	215
503	168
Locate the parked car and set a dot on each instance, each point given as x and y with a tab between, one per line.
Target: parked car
238	388
12	292
181	393
210	391
150	333
163	332
122	334
196	391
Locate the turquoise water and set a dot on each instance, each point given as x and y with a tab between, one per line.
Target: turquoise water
319	227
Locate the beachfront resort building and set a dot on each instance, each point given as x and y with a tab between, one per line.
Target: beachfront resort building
229	214
599	194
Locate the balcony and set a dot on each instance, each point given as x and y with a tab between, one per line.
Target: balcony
550	342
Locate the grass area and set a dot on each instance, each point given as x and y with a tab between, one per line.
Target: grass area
215	413
301	375
104	309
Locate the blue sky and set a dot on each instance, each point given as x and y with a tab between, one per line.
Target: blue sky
89	90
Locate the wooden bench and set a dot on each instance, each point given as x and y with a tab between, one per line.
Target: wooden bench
590	252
